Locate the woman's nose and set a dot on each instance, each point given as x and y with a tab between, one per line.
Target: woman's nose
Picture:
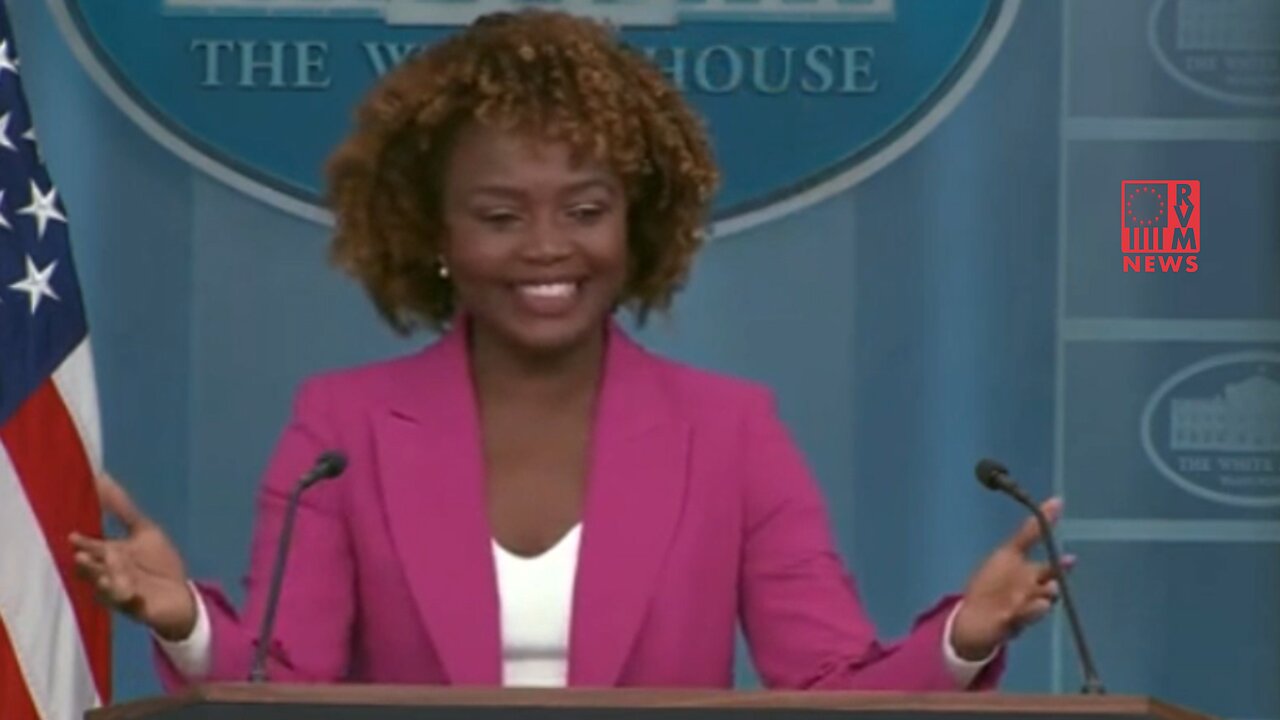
546	240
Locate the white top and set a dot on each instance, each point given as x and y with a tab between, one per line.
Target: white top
536	601
536	598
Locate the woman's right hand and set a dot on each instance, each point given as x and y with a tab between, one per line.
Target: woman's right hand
140	574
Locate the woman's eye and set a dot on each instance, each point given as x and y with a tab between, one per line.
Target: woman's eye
499	219
586	212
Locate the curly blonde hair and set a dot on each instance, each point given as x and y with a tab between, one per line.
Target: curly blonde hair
562	77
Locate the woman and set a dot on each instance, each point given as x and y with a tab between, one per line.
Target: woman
534	499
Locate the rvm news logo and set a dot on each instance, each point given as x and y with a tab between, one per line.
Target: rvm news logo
1160	225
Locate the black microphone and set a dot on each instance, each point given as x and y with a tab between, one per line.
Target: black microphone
329	465
995	476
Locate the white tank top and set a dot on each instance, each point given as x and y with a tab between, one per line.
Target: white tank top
536	597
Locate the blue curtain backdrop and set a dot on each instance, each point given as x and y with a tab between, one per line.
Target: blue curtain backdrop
966	300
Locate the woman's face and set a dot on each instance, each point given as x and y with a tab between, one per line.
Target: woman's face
535	243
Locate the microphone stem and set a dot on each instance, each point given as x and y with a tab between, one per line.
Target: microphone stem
259	671
1092	684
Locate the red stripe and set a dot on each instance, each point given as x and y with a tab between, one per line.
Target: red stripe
15	699
54	471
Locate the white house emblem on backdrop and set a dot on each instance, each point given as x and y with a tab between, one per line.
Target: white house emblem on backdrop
258	92
1213	429
1224	50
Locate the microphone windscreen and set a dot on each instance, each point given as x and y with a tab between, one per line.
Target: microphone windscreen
988	472
332	464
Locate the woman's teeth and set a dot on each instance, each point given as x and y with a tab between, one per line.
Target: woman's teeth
549	290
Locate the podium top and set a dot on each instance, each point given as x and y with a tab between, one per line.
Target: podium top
244	701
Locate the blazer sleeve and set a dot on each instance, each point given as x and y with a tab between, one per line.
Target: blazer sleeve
317	598
802	617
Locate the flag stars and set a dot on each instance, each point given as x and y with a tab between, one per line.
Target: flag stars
7	60
44	208
30	136
4	221
36	283
5	141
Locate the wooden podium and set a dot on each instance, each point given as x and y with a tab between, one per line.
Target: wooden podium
387	702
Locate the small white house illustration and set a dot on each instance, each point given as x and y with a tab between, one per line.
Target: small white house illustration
1228	25
1244	418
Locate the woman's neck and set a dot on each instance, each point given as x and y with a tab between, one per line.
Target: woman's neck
512	374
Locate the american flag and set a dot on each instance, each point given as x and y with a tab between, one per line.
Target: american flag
55	644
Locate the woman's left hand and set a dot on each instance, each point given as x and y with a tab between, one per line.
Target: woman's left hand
1007	593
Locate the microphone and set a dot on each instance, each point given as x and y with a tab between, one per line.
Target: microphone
329	464
995	476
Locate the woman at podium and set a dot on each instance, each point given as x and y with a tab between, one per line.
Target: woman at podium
534	499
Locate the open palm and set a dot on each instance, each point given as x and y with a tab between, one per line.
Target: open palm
1008	592
140	574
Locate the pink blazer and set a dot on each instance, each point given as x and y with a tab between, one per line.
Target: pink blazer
700	513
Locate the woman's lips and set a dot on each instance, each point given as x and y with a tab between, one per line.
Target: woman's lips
548	298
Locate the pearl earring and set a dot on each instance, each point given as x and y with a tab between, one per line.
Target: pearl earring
444	271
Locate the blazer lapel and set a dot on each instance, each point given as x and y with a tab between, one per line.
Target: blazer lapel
431	466
634	499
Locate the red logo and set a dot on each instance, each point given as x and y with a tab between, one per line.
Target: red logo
1160	225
